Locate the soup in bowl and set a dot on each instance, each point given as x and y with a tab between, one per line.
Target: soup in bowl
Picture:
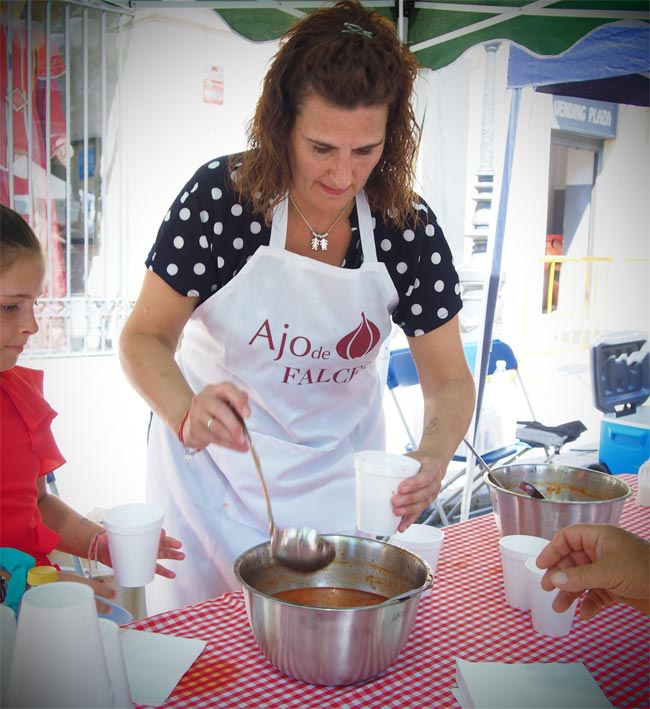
337	625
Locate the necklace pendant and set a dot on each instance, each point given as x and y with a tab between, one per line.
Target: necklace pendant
319	241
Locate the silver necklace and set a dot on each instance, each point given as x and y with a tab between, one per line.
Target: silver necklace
319	241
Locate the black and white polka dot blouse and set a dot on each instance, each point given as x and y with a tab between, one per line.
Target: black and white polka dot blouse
207	236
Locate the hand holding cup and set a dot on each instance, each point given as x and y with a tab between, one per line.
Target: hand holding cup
135	540
378	475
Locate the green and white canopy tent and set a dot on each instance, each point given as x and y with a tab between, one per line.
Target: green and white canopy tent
439	32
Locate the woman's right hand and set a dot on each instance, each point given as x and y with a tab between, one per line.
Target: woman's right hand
211	418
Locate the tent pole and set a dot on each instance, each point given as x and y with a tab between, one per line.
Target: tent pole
485	338
401	20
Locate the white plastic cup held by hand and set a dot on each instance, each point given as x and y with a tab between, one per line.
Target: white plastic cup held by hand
515	549
58	658
378	475
133	532
544	619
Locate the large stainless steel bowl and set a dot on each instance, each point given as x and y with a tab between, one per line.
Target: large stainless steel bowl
572	495
334	646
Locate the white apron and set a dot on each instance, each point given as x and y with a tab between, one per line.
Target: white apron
301	337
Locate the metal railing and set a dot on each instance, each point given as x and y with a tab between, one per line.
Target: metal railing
60	163
583	297
78	325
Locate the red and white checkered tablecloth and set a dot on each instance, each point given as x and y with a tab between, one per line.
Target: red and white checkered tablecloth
466	616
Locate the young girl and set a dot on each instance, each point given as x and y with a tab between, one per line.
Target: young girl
32	520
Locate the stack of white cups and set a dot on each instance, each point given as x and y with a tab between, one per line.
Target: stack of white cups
63	655
522	581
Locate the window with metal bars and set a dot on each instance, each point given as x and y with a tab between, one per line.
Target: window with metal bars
61	165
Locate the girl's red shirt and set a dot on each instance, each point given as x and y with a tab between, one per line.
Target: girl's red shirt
27	451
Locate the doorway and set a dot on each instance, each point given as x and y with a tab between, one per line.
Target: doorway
573	167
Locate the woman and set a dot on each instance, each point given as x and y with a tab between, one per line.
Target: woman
284	268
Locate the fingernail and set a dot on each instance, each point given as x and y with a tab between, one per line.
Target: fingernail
559	578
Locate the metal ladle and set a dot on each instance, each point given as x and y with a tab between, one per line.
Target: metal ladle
485	466
297	548
528	488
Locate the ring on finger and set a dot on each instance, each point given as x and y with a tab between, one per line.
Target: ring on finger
210	420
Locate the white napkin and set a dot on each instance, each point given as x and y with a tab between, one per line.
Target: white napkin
155	663
535	685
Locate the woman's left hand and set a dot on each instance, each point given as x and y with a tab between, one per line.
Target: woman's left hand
415	494
167	549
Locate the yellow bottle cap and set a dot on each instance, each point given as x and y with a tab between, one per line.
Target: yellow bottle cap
39	575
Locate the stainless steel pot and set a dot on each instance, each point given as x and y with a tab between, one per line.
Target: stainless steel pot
334	646
572	495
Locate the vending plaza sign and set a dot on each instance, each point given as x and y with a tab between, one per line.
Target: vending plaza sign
596	118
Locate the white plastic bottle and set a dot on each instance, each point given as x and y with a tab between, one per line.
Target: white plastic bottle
498	419
643	491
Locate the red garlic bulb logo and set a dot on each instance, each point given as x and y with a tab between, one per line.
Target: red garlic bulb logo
359	341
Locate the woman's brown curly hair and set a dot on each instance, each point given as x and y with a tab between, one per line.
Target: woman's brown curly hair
351	57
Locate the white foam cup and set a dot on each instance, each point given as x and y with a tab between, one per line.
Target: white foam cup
544	619
7	642
378	475
114	654
58	658
133	532
515	549
423	540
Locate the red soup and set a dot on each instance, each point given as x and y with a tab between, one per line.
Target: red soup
330	597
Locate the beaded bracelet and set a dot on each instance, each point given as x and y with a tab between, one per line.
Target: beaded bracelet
93	552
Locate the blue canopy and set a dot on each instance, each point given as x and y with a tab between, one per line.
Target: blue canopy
610	64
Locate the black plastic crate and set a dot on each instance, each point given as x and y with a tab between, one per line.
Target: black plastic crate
620	367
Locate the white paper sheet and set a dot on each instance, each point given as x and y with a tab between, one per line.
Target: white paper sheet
155	663
535	685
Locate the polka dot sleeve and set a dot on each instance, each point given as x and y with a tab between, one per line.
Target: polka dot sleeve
206	236
421	266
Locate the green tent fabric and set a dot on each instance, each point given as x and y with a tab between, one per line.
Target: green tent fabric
440	32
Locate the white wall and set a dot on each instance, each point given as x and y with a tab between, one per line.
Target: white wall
443	101
101	430
622	219
169	130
